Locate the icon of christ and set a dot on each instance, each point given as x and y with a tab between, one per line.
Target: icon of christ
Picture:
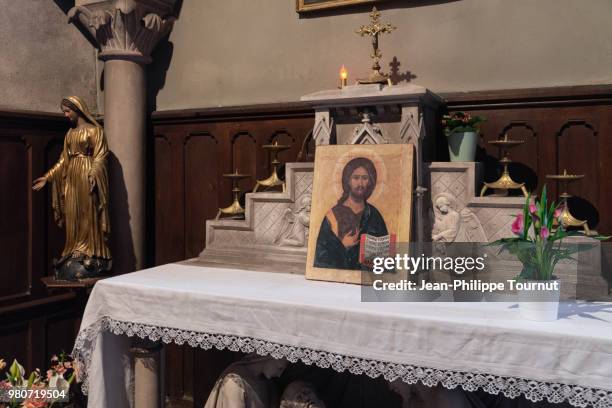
337	244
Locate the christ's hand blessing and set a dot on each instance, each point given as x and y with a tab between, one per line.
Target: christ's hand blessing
350	239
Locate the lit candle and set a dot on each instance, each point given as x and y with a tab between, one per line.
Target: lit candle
343	76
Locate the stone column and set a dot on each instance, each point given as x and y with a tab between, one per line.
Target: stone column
147	373
126	31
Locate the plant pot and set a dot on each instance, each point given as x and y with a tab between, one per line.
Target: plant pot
539	305
462	146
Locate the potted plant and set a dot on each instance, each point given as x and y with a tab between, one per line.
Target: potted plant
537	245
462	129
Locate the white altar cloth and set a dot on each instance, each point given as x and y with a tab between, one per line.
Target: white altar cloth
472	345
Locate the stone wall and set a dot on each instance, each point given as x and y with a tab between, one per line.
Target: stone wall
236	52
43	57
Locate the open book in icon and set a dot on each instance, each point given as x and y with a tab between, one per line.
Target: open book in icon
371	247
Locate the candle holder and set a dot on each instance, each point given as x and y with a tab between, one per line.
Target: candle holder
505	182
235	208
273	180
566	218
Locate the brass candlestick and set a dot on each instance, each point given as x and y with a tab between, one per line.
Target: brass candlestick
273	180
566	218
505	182
235	208
374	29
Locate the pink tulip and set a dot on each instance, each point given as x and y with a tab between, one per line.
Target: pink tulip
544	233
532	209
518	225
558	212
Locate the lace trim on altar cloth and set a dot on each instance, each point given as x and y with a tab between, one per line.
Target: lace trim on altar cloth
510	387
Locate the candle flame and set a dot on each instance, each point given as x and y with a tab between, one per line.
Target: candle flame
343	73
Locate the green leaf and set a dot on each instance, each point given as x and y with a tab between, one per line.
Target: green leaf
542	206
16	370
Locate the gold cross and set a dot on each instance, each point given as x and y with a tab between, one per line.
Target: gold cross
374	29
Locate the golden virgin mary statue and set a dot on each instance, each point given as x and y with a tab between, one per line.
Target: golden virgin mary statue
79	185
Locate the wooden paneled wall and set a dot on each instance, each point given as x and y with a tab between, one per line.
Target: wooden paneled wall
192	151
563	128
33	323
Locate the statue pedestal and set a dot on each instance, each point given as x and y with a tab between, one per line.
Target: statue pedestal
80	290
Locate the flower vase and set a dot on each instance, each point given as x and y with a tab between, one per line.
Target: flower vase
462	146
539	305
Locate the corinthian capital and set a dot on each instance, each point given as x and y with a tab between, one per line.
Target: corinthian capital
125	29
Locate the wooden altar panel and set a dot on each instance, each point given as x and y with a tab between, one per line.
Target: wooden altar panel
202	182
55	245
523	155
13	342
564	128
14	203
578	152
59	331
192	150
169	196
244	159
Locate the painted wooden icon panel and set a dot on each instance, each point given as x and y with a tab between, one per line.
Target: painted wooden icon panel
358	190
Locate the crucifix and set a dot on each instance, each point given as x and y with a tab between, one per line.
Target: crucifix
374	29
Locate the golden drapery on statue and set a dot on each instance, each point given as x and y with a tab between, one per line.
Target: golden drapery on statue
80	199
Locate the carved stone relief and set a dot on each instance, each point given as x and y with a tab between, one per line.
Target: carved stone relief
411	128
367	133
294	224
456	211
323	128
454	225
128	28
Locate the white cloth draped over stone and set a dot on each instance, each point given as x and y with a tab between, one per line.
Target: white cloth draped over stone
240	387
472	345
